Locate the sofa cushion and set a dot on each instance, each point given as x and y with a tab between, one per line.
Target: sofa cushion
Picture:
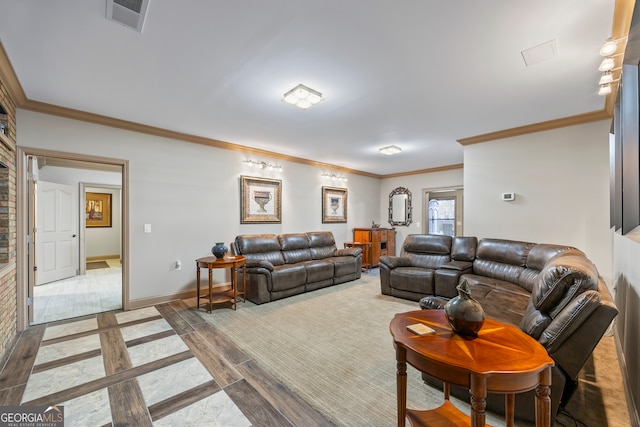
412	279
344	265
464	248
427	244
504	251
288	276
260	247
319	270
322	244
562	279
542	253
432	261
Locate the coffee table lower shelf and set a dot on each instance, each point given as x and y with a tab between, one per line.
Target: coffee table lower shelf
446	415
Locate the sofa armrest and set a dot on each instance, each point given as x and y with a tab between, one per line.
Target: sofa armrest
431	302
354	252
260	264
395	261
463	266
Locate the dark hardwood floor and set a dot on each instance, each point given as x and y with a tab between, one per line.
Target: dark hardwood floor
37	372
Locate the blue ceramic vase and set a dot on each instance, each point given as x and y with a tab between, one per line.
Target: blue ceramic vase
219	250
464	314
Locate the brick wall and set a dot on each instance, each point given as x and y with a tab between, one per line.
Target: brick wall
8	226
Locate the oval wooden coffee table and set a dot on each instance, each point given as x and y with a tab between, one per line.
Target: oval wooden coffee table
502	359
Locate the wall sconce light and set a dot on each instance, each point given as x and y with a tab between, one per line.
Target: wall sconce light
263	165
334	177
302	97
390	150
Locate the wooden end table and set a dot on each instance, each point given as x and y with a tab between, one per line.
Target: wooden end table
502	359
222	292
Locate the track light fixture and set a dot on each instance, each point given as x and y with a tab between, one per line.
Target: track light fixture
263	165
334	177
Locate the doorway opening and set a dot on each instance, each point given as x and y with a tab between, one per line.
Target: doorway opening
443	212
58	282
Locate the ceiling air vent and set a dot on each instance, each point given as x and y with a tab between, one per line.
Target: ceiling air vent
130	13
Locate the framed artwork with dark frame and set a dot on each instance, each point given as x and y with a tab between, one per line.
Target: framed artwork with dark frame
98	210
334	204
260	200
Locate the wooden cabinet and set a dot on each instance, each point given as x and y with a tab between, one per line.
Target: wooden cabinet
383	242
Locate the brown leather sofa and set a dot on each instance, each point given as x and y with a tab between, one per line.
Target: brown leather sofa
552	292
279	266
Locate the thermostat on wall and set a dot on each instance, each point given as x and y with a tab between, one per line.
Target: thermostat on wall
508	197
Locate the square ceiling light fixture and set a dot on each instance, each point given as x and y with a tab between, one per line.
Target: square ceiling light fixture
390	150
303	97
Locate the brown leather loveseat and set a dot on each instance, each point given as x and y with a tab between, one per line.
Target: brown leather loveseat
279	266
552	292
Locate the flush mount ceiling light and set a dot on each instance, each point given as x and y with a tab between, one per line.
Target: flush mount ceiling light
607	64
390	150
302	97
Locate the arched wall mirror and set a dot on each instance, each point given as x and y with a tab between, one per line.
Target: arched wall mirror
400	207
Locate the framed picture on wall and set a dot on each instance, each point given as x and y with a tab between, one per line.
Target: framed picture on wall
98	210
261	200
334	204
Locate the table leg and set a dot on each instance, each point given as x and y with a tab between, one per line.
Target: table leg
543	399
234	285
478	400
401	379
210	308
198	288
509	405
244	283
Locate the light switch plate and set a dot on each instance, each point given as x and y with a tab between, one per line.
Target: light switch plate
147	228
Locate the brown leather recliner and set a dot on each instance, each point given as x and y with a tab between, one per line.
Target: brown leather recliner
552	292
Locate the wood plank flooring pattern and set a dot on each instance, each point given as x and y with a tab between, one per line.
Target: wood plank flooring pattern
260	397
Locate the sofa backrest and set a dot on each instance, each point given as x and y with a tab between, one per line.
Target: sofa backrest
322	244
295	247
427	250
501	259
463	248
258	247
538	257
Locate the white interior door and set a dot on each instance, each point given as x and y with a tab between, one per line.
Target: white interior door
56	232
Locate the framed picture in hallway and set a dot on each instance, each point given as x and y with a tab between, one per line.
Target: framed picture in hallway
98	210
334	204
261	200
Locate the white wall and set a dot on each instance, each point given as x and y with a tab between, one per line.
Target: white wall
98	241
190	195
416	184
561	181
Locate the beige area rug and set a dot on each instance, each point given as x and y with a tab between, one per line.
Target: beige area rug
333	348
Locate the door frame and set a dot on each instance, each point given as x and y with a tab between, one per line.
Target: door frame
83	229
426	193
25	249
